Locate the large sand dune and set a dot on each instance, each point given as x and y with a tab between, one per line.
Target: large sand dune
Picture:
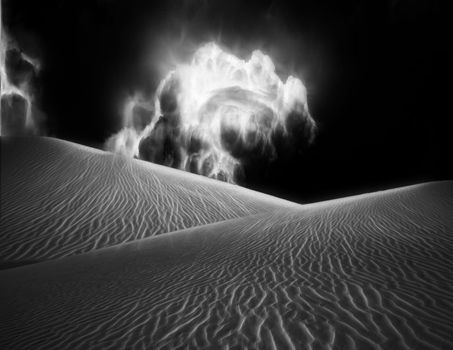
368	272
59	199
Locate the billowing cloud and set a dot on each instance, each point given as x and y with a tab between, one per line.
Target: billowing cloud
19	116
212	115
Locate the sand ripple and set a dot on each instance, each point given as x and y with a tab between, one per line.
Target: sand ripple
367	272
59	199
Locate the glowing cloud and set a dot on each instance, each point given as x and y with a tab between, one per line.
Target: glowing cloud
211	115
16	98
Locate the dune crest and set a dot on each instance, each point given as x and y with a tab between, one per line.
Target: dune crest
60	199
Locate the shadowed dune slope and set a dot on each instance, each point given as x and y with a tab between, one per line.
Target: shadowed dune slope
59	198
367	272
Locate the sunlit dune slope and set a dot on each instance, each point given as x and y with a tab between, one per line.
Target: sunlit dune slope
59	198
367	272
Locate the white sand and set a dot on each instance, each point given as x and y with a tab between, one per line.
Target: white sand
372	271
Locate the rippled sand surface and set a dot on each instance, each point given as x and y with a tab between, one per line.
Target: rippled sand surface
248	271
59	199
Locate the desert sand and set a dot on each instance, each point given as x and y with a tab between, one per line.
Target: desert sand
60	199
137	256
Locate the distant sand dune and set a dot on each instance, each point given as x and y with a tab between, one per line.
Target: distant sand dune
59	199
368	272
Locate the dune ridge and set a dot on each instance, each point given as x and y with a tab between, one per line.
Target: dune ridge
373	271
60	199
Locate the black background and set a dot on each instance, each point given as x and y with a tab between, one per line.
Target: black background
378	77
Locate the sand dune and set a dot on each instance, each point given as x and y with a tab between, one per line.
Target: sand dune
367	272
59	199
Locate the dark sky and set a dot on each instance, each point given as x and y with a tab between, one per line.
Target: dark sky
378	77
